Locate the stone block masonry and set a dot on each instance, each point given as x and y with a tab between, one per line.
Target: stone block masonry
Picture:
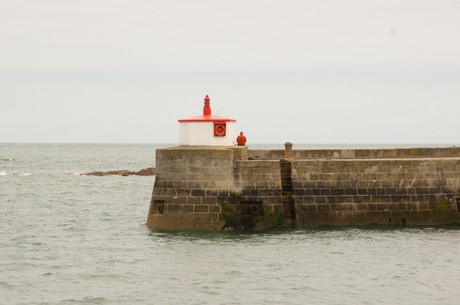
232	187
192	185
411	191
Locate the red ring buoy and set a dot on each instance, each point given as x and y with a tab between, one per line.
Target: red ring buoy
219	130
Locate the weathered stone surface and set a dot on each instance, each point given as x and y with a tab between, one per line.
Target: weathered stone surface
208	187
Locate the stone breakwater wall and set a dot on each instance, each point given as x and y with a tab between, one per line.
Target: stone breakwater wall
233	187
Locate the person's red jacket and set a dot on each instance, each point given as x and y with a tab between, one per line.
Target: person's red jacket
241	139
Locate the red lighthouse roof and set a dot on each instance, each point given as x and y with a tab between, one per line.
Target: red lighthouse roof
207	116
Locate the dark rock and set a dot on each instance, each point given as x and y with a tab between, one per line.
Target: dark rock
150	171
123	172
95	174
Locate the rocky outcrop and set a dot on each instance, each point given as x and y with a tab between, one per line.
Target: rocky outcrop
150	171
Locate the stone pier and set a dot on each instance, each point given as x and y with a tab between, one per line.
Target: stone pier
232	187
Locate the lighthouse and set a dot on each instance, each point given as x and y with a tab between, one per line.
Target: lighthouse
206	129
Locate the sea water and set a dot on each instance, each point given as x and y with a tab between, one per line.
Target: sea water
72	239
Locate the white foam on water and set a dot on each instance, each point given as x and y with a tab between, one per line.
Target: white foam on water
73	173
2	173
26	174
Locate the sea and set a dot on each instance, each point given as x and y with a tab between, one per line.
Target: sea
67	238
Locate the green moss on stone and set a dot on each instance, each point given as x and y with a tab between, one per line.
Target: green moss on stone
278	219
266	219
230	220
442	206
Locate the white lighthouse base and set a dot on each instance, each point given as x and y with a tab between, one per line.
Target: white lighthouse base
202	134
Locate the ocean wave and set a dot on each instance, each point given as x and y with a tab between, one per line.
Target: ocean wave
7	159
15	174
73	173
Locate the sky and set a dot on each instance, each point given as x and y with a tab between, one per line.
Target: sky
326	72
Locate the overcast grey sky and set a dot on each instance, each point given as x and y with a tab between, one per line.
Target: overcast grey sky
329	71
